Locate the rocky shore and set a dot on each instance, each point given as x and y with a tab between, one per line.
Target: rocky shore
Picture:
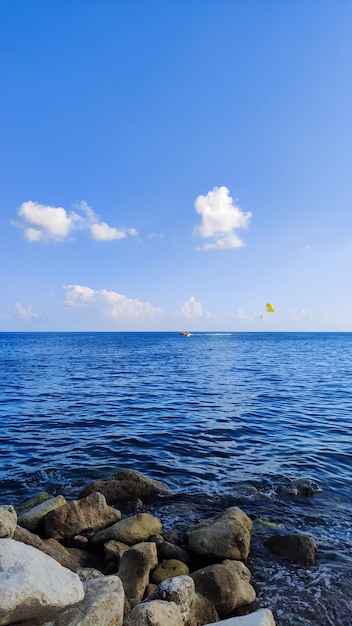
87	562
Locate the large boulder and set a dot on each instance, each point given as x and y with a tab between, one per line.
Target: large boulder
33	585
130	530
226	585
88	514
8	521
103	605
297	548
33	518
195	609
134	570
226	536
127	485
155	613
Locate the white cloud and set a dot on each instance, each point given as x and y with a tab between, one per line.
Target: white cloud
110	303
191	309
26	312
103	232
240	314
47	223
300	314
78	295
220	218
41	222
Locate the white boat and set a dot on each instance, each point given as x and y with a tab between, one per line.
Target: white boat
184	333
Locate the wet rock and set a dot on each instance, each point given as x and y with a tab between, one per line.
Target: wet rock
305	488
8	521
103	605
33	585
130	530
226	585
169	550
88	514
155	613
33	519
168	569
171	537
297	548
30	503
127	485
226	536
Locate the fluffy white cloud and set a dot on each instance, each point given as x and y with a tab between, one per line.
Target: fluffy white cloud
78	295
47	223
41	222
220	218
190	309
110	303
104	232
26	312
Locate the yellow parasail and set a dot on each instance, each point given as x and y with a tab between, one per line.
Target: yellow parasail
270	308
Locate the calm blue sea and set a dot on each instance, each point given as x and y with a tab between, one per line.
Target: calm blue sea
223	418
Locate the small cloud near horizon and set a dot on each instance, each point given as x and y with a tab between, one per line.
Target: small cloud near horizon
240	314
26	313
191	309
47	223
110	303
220	218
299	314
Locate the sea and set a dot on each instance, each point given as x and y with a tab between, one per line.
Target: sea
262	421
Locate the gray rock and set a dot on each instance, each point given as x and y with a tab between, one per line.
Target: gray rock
127	485
33	519
33	585
8	521
195	609
297	548
226	536
88	514
130	530
155	613
134	569
169	550
226	585
103	605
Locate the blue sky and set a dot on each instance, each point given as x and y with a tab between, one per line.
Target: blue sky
176	165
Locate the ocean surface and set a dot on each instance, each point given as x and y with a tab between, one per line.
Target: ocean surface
258	420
